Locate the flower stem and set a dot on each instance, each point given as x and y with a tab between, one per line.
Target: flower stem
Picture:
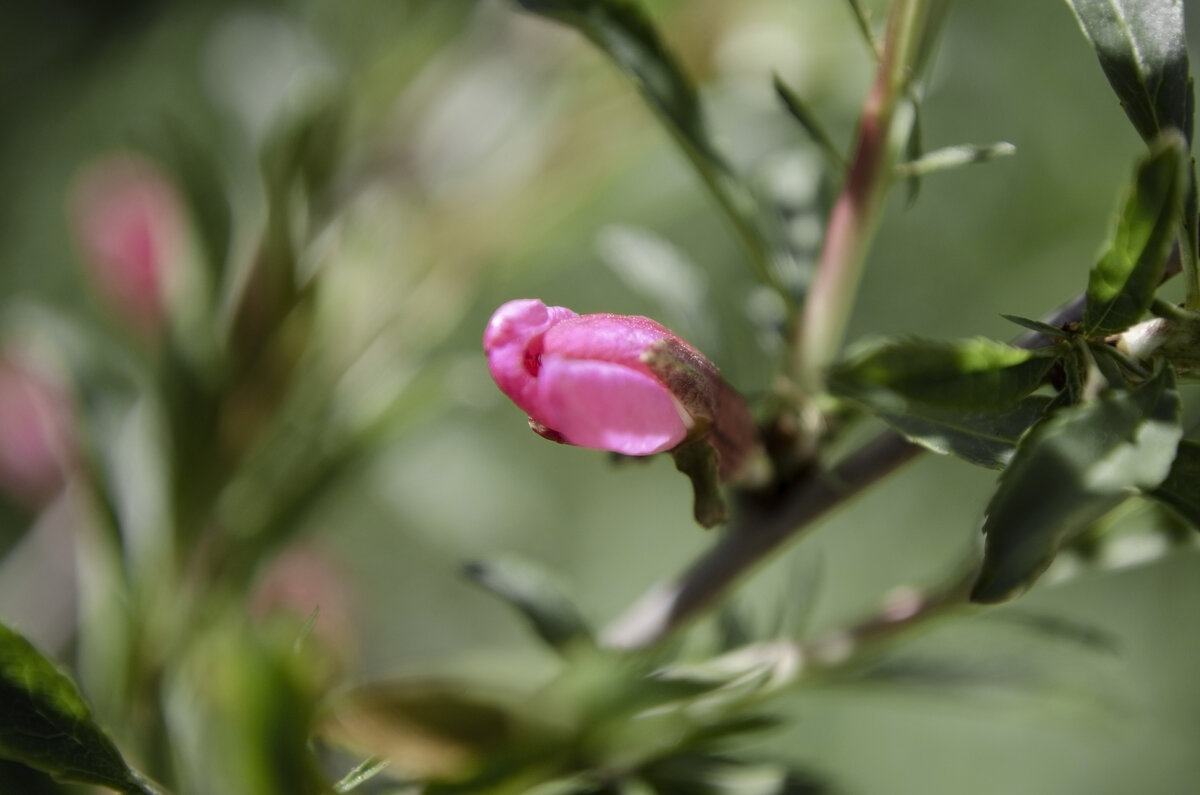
855	214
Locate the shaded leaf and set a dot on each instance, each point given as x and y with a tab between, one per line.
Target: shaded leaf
1122	283
1044	329
1181	488
17	778
713	774
1061	628
543	603
199	177
864	26
624	32
1143	52
1068	472
45	724
983	439
699	461
808	120
426	729
903	375
913	150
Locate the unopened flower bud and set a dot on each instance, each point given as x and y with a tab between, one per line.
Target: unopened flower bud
130	225
615	382
36	432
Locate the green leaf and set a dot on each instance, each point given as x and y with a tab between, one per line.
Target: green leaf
1068	472
914	148
541	600
624	32
17	778
1122	283
900	376
1181	488
1045	329
431	730
983	439
700	462
809	121
1143	52
864	26
45	724
953	157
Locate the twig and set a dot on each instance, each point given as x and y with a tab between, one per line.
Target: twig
761	528
757	531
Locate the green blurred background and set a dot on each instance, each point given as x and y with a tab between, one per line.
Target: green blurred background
483	155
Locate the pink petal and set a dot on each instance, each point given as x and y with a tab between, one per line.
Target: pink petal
607	406
513	343
620	339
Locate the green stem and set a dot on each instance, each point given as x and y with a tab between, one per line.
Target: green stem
855	214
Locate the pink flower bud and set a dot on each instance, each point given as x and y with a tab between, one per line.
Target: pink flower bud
608	382
131	229
35	432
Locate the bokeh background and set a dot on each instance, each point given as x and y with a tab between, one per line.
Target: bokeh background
478	155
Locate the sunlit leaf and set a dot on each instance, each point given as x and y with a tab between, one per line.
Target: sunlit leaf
549	611
951	157
901	375
1069	471
1143	52
1142	49
44	723
1123	282
1181	489
983	439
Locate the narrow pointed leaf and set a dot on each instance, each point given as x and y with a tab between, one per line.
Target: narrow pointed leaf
623	31
533	593
983	439
1143	52
808	120
1045	329
1123	282
899	376
864	26
951	157
1181	489
913	151
45	724
1068	472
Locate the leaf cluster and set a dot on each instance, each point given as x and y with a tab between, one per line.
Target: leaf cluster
1075	425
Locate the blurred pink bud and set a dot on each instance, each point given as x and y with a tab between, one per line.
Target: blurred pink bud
304	582
35	432
130	226
608	382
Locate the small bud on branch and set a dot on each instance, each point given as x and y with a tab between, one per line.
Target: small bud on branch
621	383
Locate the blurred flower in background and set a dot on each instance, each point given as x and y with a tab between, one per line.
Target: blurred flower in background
37	444
132	233
304	583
